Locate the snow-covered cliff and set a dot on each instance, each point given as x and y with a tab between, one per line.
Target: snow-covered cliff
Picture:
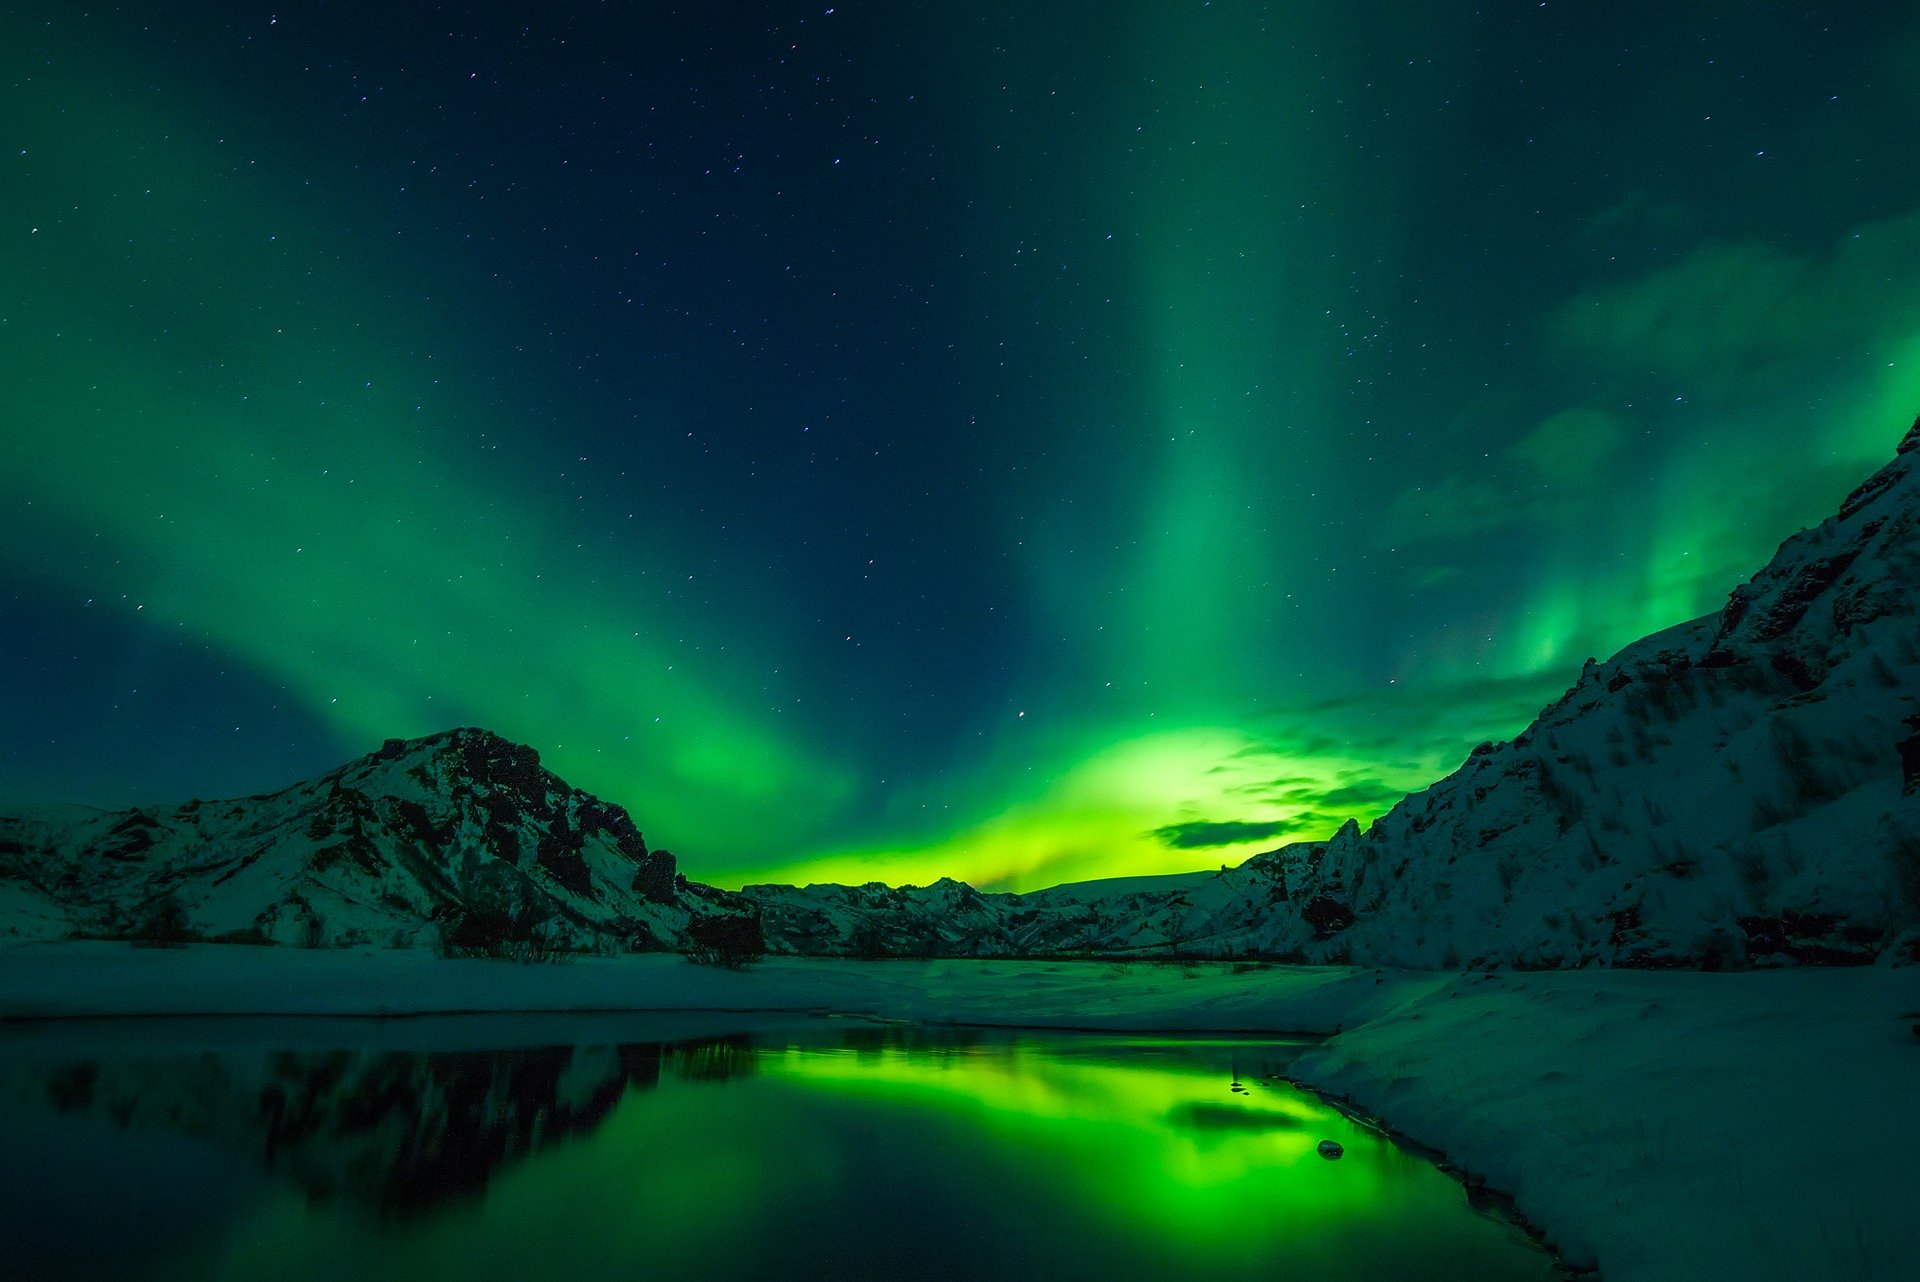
460	837
1740	790
1743	789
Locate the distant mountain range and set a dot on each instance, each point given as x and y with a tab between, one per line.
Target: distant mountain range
1743	789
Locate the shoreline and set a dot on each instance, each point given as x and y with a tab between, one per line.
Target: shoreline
1653	1125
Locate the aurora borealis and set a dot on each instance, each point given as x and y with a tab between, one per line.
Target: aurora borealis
1011	442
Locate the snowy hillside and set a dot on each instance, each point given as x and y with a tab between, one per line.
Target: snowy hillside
1741	788
1738	790
460	837
1150	915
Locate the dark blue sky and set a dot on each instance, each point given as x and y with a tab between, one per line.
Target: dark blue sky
891	440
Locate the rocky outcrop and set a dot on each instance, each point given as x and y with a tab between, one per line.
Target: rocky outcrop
1740	790
457	836
1731	791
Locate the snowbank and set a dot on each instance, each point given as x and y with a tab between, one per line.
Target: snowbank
1664	1125
1667	1125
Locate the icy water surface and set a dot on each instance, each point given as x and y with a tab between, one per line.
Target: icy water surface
244	1150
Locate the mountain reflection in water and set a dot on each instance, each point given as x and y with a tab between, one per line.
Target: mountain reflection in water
833	1150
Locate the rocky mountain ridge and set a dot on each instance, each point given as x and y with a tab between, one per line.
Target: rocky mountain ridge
459	839
1742	789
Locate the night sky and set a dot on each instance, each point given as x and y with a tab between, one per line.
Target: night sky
1013	441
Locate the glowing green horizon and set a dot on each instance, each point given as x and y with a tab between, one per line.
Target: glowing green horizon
1071	453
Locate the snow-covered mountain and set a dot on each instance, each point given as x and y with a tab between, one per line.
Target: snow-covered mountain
457	838
1742	789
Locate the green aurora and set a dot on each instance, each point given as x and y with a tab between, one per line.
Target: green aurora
892	444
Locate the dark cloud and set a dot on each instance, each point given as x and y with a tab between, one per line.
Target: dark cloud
1201	833
1366	794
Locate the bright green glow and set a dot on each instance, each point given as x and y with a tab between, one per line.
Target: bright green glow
1815	357
1104	813
1116	1159
1228	355
1152	1121
303	507
1342	434
1225	196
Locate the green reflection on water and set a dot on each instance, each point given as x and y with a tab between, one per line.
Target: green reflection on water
881	1152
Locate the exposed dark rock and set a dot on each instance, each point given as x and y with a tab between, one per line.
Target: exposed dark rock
1795	669
559	853
654	879
1809	581
1328	916
1626	925
415	821
487	931
1910	756
130	837
508	770
730	941
1867	491
1738	602
1706	723
601	816
1812	939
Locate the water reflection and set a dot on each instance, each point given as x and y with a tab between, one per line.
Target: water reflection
835	1151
